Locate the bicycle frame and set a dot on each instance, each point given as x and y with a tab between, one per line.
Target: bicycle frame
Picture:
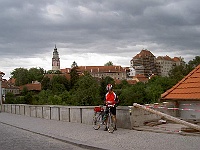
110	122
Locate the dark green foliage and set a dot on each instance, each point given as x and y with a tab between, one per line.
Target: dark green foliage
87	91
24	76
66	98
110	63
21	76
46	83
73	77
122	85
35	74
20	100
53	72
133	94
195	62
59	84
178	72
10	98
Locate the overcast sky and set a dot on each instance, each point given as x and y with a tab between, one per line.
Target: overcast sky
93	32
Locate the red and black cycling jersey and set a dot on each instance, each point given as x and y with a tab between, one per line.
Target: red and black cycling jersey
111	96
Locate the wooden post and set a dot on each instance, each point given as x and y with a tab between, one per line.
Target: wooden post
193	126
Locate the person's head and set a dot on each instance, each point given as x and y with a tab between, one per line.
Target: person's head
109	87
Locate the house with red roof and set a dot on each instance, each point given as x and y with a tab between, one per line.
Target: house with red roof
34	86
186	95
115	72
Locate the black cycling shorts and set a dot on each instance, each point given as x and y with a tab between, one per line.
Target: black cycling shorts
112	110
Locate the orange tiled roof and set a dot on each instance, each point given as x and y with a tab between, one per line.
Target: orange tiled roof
140	78
144	53
12	80
8	85
117	81
187	89
32	87
164	58
177	59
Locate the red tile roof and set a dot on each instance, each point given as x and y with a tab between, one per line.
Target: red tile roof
8	85
12	80
144	53
164	58
177	59
140	78
32	87
187	89
117	81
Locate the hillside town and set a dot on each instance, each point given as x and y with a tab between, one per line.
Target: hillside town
142	67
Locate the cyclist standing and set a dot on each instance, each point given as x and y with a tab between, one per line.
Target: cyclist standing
111	96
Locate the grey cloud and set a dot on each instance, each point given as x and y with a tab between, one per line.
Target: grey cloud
99	26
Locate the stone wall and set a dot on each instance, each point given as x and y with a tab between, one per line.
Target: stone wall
127	116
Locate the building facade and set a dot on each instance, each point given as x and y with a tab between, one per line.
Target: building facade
164	64
8	87
144	63
115	72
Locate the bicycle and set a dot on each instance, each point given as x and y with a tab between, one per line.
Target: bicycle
110	121
98	118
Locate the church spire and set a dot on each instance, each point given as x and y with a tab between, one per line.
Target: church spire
55	60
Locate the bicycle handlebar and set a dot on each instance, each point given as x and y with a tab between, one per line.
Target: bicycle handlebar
110	103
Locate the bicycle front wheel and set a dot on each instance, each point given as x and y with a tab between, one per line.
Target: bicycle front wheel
96	121
110	124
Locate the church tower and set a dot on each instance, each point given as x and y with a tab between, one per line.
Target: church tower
55	60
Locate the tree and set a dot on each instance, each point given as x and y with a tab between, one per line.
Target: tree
10	98
59	84
195	62
46	83
35	74
53	72
73	77
123	84
178	72
87	91
66	98
110	63
133	94
20	75
43	97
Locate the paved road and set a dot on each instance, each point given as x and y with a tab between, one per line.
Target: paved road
84	135
12	138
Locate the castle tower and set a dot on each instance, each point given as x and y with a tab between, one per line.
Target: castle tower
55	60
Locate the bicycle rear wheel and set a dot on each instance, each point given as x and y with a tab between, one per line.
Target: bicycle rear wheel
97	119
110	124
